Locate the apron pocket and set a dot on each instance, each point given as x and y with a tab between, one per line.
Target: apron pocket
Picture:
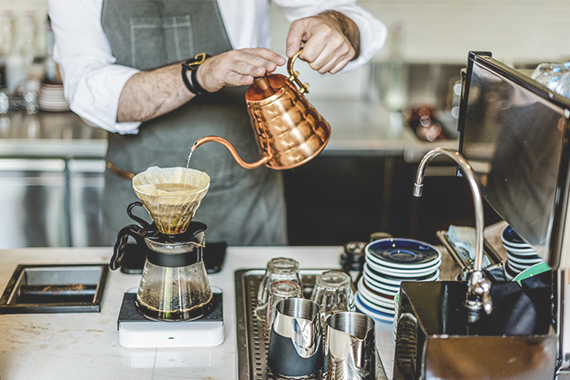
158	41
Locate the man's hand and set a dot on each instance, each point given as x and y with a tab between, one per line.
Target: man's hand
330	39
149	94
237	68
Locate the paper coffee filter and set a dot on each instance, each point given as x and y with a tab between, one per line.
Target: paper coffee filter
171	195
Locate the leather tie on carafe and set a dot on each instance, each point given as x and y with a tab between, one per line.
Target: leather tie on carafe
150	231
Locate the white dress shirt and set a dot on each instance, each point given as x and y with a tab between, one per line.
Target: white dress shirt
93	82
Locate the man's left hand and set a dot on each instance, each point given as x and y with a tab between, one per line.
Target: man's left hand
330	39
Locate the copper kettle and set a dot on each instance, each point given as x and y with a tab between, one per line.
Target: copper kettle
289	131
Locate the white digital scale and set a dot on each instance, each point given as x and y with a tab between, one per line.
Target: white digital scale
136	331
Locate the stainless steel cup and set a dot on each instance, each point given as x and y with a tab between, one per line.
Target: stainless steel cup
295	348
350	347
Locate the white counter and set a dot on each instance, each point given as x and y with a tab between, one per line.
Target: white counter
86	345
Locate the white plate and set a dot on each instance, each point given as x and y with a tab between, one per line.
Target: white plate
371	313
404	268
523	256
510	238
54	109
402	272
381	301
375	307
520	251
520	261
388	281
389	264
381	288
522	247
402	251
513	270
394	282
519	267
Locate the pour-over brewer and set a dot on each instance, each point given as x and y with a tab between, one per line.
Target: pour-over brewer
174	285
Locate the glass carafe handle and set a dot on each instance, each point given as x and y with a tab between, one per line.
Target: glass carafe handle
119	249
138	219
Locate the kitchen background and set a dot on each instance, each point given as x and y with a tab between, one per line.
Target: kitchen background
51	162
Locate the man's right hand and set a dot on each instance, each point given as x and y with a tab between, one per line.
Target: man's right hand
237	68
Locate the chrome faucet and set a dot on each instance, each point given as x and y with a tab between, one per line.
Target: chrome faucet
478	298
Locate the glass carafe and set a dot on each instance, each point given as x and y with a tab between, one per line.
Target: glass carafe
170	290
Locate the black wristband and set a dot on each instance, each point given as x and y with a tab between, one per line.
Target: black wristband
199	90
192	65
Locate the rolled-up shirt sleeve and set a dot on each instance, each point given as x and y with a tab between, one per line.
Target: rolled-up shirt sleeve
373	32
92	81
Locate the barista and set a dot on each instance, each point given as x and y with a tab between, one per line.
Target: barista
121	65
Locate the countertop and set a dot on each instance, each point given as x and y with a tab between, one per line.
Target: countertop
86	345
358	128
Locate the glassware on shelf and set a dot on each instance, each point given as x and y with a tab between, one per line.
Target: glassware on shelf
555	76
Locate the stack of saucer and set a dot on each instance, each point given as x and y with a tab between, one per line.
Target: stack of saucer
520	255
388	263
51	98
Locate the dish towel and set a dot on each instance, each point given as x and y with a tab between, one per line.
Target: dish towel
463	239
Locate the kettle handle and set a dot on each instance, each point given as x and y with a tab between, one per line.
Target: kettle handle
232	150
122	237
294	75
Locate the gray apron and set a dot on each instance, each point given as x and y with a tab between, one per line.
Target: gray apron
242	207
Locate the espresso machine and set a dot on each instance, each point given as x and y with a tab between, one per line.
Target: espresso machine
514	153
174	286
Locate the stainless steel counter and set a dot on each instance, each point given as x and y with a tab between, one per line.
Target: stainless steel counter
358	128
50	135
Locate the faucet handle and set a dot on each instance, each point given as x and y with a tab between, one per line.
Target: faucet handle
487	300
478	296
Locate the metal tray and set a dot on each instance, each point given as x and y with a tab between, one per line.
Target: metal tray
252	344
47	275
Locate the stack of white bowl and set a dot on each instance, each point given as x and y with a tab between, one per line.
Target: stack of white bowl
388	263
520	255
51	98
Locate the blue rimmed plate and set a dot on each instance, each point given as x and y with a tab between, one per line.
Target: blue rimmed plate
370	258
525	261
375	298
407	273
381	288
372	313
403	253
510	238
396	280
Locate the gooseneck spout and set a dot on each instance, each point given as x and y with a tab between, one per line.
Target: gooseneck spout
232	150
478	297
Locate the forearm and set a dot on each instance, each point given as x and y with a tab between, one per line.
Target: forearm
149	94
347	27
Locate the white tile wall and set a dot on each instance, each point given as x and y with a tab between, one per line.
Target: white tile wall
515	31
445	30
